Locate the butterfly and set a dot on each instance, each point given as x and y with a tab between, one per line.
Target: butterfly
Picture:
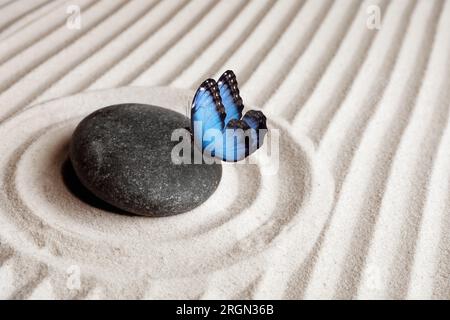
217	124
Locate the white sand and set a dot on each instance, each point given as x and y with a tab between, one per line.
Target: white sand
358	209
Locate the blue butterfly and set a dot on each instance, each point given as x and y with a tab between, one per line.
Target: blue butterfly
217	124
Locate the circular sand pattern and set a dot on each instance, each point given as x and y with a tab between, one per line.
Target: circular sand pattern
259	225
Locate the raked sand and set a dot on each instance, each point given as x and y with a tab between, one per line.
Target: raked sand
358	208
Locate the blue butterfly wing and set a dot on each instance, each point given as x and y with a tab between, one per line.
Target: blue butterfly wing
236	141
243	137
256	120
216	122
229	93
207	112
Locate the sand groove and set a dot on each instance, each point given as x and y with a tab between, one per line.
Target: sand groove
155	46
345	66
262	39
35	32
17	11
112	53
235	34
364	121
257	88
14	69
308	69
28	18
362	191
241	236
421	138
163	70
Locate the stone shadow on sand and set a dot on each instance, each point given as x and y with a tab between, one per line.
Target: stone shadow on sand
75	187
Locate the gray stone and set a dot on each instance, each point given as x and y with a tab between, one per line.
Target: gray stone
122	154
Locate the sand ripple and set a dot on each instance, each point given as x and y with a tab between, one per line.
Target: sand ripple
252	217
373	102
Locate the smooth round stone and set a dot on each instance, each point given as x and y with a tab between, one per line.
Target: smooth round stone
122	154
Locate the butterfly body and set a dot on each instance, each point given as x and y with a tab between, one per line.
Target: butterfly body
217	123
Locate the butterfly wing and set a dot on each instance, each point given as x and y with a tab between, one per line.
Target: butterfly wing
216	120
207	112
242	137
229	92
256	120
235	141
